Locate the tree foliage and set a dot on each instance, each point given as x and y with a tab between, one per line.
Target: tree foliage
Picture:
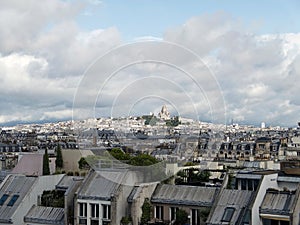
189	164
150	120
83	164
181	217
139	160
192	176
46	168
173	122
53	198
59	159
204	213
143	160
126	220
146	211
118	154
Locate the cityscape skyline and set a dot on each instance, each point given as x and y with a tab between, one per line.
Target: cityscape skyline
250	50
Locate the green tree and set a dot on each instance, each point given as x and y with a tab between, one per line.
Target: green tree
189	164
181	217
59	159
173	122
83	164
143	160
146	211
203	176
118	154
126	220
46	168
53	198
204	213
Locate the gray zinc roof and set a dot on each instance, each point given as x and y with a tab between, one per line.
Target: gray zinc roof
15	185
237	199
45	215
101	186
132	194
248	176
184	195
288	179
279	203
30	164
66	182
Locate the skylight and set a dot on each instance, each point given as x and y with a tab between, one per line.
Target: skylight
13	200
3	199
228	214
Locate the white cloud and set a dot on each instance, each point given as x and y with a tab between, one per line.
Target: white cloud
44	54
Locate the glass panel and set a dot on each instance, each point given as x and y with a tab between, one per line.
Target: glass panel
106	211
243	184
13	200
94	222
82	221
94	210
3	199
173	213
82	209
228	214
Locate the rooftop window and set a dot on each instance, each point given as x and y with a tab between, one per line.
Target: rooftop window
228	213
3	199
13	199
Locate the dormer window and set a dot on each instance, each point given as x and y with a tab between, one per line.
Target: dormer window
228	213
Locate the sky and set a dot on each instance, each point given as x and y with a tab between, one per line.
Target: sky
210	60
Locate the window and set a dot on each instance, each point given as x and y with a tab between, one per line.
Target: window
195	219
243	184
106	212
3	199
228	214
94	222
250	185
159	212
255	184
82	221
94	210
246	219
94	214
13	200
173	213
82	209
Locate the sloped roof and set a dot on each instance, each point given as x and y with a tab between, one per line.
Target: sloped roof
133	193
30	164
18	185
45	215
101	185
184	195
66	182
279	203
237	199
248	176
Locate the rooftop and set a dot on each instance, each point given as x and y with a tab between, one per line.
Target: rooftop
12	192
230	206
101	185
45	215
184	195
278	202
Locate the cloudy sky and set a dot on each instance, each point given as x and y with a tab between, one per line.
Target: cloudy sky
211	60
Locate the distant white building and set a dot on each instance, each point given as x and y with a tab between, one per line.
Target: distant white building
164	113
